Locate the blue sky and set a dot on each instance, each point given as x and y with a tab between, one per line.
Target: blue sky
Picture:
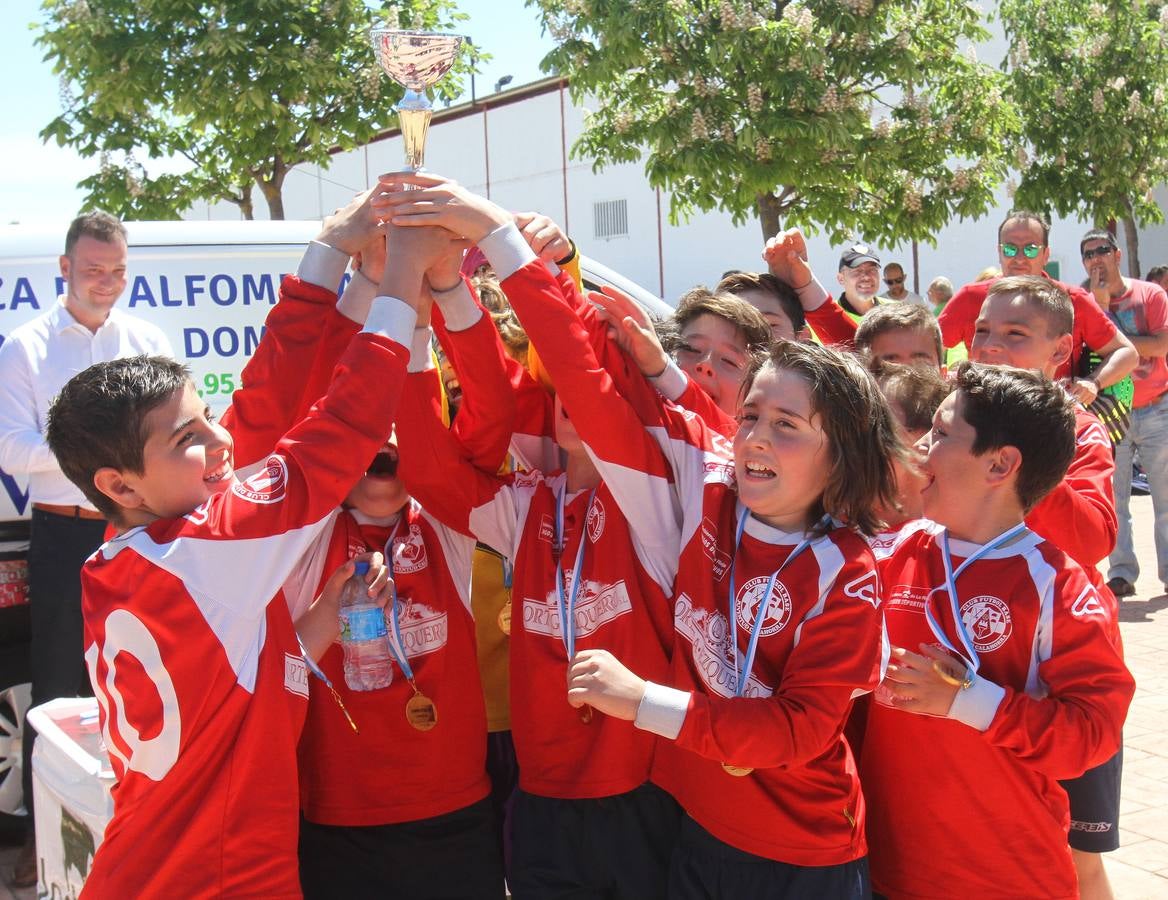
38	182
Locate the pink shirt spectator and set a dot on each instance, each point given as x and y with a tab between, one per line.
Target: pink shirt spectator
1143	310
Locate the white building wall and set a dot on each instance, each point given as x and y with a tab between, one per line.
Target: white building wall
515	154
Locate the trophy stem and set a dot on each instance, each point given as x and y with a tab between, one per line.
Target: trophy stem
413	113
415	124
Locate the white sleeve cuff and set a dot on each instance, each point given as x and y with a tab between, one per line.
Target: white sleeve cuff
322	265
662	710
421	359
977	706
812	295
506	250
392	318
458	307
357	298
671	383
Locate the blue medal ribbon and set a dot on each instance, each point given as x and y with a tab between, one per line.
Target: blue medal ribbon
756	628
396	646
319	673
950	587
565	601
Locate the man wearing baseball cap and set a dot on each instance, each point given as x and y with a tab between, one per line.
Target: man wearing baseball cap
859	274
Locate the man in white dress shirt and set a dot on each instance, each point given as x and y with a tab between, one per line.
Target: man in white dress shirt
36	360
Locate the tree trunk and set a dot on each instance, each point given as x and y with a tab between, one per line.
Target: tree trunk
245	204
769	209
274	196
1132	239
273	189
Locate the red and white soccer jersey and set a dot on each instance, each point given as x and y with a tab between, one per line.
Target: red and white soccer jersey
955	811
620	606
390	772
820	646
196	665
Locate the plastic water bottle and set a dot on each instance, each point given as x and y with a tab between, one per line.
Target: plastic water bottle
368	664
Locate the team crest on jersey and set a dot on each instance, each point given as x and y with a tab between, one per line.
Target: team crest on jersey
988	622
777	612
295	675
423	628
596	604
719	471
409	554
865	588
709	638
268	485
719	558
595	521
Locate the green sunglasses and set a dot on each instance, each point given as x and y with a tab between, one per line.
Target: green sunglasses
1030	251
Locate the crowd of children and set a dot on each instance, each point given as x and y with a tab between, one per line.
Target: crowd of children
783	617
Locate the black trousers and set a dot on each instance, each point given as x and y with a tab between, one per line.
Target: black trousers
705	868
611	848
58	548
454	856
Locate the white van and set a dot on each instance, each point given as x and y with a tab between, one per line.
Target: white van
208	285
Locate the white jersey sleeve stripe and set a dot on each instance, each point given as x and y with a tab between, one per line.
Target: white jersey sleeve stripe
1043	575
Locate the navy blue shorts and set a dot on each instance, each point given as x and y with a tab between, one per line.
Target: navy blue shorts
1094	797
617	848
705	868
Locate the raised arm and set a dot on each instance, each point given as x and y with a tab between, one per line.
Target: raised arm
273	383
786	258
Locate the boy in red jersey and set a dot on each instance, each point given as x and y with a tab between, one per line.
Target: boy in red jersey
189	640
1027	322
1004	676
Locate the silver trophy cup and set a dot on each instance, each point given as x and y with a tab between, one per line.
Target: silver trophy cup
416	60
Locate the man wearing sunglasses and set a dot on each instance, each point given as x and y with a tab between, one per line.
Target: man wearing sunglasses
895	289
1024	249
1140	309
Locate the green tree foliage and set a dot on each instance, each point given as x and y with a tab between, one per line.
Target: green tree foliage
242	89
1090	81
865	117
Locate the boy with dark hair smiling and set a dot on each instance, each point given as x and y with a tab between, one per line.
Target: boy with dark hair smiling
1028	322
1013	677
189	641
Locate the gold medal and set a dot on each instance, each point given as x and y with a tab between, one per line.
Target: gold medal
505	618
421	712
585	713
736	771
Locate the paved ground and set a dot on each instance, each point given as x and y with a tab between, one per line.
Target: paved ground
1139	868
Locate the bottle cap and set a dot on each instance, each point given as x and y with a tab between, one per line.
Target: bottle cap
362	567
